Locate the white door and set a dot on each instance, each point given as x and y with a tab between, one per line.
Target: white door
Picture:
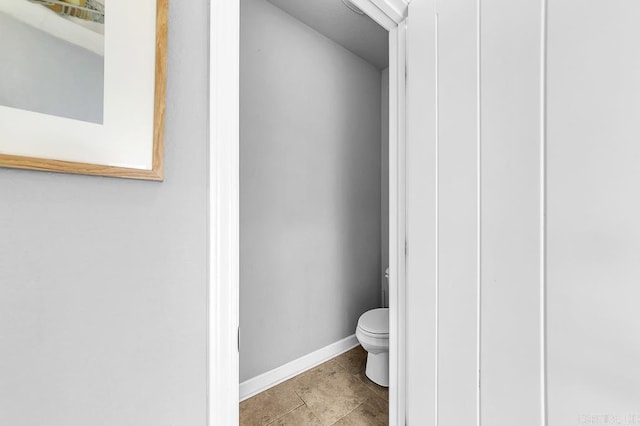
593	213
511	269
523	221
560	196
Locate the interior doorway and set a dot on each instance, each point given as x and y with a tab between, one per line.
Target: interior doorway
224	246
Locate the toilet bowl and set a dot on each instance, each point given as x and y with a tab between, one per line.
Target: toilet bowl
373	334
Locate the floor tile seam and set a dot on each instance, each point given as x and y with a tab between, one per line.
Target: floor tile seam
313	414
374	393
369	388
284	414
318	417
305	403
357	376
359	405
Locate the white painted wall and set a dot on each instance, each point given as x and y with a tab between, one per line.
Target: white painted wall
458	212
421	225
442	217
103	282
310	194
45	74
510	352
593	182
591	211
456	208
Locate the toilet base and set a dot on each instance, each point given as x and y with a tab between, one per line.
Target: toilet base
378	368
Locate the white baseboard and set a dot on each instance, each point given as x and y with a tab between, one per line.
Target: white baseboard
260	383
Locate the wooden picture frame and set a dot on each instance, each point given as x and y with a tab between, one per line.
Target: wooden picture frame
152	169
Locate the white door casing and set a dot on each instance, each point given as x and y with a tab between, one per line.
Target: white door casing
223	386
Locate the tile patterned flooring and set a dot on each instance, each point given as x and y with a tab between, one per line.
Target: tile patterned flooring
334	393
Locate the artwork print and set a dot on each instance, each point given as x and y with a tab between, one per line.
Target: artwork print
53	57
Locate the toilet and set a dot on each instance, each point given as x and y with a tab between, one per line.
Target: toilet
373	334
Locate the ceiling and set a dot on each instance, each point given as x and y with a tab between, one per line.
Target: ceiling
357	33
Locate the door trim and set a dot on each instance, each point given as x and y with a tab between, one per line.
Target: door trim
223	291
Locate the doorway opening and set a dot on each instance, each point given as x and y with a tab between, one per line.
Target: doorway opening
224	334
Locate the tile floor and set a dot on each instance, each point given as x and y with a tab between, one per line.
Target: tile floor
334	393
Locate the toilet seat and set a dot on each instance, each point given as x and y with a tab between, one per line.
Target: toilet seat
375	323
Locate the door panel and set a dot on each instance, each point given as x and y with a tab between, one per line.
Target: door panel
457	213
593	225
510	345
559	202
421	214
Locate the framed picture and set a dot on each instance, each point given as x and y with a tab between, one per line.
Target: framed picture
82	86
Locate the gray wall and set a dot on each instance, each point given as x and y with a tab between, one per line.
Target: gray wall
309	189
41	73
103	281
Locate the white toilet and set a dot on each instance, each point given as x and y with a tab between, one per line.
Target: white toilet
373	335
